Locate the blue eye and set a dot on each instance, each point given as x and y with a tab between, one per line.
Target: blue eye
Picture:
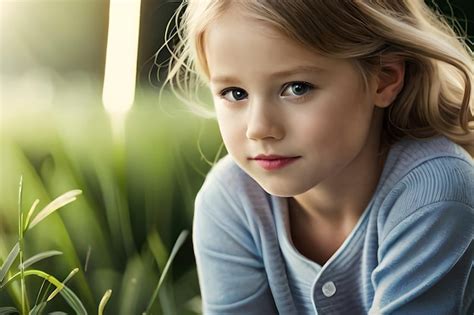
234	94
297	89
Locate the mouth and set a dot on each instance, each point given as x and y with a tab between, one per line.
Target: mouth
274	162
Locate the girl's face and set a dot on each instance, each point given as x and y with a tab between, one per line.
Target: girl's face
275	97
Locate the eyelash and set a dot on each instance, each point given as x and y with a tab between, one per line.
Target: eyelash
297	98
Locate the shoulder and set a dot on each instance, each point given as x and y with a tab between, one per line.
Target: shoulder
229	191
425	231
434	173
409	155
231	210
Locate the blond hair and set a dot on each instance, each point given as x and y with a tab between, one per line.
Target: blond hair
437	96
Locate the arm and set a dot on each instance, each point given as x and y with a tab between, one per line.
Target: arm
231	271
425	263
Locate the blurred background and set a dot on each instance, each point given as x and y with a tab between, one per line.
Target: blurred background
138	177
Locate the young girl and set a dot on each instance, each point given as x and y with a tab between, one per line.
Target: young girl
348	188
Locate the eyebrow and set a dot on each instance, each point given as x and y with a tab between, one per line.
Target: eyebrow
278	74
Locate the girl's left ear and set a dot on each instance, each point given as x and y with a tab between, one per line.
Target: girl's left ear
390	79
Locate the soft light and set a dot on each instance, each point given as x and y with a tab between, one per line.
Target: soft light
121	59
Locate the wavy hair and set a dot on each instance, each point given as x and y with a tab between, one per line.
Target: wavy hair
437	96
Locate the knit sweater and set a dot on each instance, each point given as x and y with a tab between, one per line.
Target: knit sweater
411	251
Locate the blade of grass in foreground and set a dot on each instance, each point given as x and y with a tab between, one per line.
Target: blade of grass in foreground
58	289
67	294
38	257
24	300
9	261
104	301
57	203
73	301
179	242
30	213
8	310
38	273
38	309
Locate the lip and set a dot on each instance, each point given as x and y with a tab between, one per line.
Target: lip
274	162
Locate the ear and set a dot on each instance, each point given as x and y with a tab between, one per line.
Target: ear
390	79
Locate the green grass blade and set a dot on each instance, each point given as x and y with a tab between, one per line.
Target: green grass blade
71	274
39	292
20	195
30	213
9	261
8	310
73	301
67	294
39	257
39	273
34	272
24	300
54	205
38	309
104	301
179	242
158	249
43	298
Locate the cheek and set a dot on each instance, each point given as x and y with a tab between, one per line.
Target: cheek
337	124
231	129
323	123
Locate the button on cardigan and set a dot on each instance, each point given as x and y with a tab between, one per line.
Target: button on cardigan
411	251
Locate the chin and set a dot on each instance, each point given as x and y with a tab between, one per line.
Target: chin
282	189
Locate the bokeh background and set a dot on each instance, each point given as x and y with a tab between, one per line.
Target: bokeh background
138	186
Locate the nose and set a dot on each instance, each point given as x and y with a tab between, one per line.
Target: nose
264	122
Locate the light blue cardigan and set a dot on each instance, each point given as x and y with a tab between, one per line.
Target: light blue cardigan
410	253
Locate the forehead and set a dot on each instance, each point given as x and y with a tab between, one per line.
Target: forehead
238	41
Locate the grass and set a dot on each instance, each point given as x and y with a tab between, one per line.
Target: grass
137	197
60	287
18	250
